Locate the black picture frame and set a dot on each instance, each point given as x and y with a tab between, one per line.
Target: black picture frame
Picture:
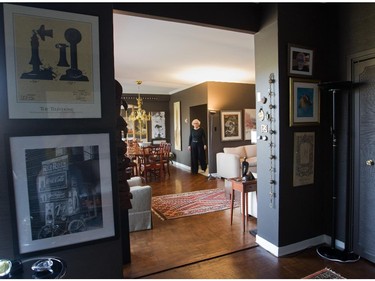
52	63
300	61
63	193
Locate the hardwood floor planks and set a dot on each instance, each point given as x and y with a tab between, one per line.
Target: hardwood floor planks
197	247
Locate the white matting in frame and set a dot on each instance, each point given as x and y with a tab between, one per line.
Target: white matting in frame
63	190
52	63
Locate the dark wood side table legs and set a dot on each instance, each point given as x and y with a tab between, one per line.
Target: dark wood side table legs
244	188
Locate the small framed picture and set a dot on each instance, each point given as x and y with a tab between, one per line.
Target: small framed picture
231	125
303	169
250	124
62	187
301	61
304	102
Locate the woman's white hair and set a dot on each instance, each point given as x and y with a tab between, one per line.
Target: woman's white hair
195	121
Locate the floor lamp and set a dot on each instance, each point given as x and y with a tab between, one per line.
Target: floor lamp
211	114
331	252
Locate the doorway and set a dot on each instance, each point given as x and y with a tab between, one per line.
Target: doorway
364	156
200	112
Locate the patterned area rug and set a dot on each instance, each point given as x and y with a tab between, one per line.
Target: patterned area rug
325	273
180	205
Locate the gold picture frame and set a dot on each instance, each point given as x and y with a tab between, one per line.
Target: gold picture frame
177	125
304	102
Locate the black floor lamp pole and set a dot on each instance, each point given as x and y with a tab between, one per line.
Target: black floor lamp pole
331	253
211	114
334	182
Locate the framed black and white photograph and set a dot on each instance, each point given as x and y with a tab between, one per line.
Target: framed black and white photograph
231	125
304	102
301	61
62	187
158	125
304	147
52	63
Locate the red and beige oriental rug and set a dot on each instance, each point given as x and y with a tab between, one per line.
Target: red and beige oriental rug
325	273
173	206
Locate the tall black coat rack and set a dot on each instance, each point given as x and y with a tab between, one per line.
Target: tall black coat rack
331	252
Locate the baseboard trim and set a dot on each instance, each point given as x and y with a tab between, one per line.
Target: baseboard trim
296	247
187	168
181	166
289	249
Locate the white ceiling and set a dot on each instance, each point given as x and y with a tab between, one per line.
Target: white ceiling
169	56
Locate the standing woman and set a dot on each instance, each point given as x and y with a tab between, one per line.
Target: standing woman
197	147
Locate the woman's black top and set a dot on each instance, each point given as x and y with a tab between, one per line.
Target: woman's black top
197	136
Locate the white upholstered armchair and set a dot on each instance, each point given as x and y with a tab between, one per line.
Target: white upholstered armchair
228	163
140	217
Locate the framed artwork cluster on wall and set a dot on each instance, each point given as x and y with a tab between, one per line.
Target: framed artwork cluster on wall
304	94
61	184
304	110
232	127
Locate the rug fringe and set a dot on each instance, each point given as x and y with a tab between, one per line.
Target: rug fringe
160	216
322	271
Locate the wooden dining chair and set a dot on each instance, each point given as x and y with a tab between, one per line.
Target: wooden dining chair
150	163
166	149
133	167
132	151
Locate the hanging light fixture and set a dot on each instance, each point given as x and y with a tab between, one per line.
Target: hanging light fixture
139	114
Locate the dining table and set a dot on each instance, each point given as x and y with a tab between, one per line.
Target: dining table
141	155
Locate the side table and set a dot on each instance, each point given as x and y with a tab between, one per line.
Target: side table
244	187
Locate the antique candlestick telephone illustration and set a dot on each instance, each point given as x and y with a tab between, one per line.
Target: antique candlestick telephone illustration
73	36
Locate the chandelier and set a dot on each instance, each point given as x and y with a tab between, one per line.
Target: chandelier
139	114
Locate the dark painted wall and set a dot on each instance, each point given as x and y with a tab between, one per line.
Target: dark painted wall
297	213
302	209
218	96
227	96
236	16
89	260
196	95
309	24
266	54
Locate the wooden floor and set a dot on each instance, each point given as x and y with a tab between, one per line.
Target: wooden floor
208	247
